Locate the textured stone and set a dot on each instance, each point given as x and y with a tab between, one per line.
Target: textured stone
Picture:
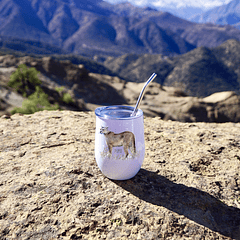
51	187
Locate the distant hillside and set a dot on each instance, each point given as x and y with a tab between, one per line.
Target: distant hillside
98	28
91	65
200	72
226	14
38	50
187	12
206	35
28	46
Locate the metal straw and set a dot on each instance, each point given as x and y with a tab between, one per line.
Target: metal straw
142	93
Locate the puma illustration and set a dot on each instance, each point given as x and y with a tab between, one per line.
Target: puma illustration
125	139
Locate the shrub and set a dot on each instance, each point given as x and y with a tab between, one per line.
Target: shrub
38	101
59	89
24	80
66	97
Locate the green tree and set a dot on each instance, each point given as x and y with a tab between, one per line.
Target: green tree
24	80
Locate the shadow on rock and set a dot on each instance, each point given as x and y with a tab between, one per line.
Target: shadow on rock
194	204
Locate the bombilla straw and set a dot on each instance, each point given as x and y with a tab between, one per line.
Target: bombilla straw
142	93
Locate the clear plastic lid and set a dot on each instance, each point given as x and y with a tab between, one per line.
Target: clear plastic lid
117	112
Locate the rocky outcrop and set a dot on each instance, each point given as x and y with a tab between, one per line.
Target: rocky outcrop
90	90
172	103
75	80
218	107
51	188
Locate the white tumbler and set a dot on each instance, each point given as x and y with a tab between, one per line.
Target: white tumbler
119	141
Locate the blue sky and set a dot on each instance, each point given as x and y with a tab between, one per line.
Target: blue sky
204	4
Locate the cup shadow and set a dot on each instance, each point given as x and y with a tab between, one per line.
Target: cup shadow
193	203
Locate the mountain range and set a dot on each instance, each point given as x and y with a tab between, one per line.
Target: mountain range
200	72
95	27
225	14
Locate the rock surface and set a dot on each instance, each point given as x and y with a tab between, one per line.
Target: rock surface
51	187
